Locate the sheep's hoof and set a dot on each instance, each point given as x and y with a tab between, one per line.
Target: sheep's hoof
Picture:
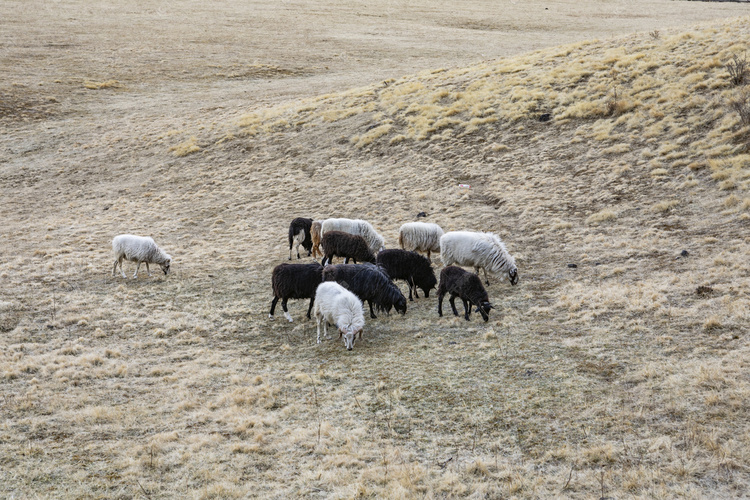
270	316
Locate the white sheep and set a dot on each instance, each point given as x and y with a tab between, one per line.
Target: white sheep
338	306
139	249
478	250
357	227
420	237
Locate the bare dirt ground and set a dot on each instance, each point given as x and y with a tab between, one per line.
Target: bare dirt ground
210	125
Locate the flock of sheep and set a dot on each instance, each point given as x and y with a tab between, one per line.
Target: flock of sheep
337	292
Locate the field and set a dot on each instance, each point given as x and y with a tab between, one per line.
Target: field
619	366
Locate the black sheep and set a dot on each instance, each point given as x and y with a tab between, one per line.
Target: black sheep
295	281
468	286
410	266
299	232
369	283
349	246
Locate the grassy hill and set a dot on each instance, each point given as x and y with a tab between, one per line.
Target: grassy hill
618	366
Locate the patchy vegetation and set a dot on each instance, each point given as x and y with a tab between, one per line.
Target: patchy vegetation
616	367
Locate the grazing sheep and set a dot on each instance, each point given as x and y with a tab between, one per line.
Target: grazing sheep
478	250
349	246
358	227
369	283
409	266
139	249
459	283
315	234
299	233
338	306
420	237
295	281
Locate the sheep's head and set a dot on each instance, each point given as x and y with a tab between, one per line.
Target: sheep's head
349	335
426	281
400	305
513	276
165	266
484	310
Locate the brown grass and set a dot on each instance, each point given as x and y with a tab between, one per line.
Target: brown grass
624	376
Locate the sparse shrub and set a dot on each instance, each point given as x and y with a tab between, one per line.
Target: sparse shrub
665	206
712	323
601	216
738	69
654	34
741	105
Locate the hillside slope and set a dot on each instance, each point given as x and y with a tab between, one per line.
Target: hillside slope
618	366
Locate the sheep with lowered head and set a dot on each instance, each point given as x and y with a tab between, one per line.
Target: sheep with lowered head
468	287
338	306
409	266
420	237
345	245
478	250
358	227
299	234
140	249
294	281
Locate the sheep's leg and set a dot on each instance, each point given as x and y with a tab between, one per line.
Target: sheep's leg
273	307
452	300
428	256
372	314
312	301
408	282
486	279
317	318
286	311
467	309
147	269
135	275
414	285
325	329
298	257
119	261
440	303
290	250
346	260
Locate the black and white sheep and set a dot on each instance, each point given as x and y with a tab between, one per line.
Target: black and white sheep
358	227
338	306
295	281
349	246
465	285
140	249
315	235
369	283
410	266
478	250
299	234
420	237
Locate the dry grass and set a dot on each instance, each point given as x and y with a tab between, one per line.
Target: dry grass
617	367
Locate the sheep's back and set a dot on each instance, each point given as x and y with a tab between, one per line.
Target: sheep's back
296	281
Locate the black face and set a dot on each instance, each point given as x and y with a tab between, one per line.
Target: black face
513	275
426	292
485	310
401	306
165	268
